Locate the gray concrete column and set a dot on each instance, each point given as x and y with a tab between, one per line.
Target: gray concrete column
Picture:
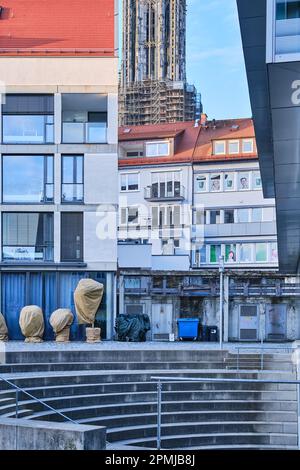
57	237
226	308
57	178
112	118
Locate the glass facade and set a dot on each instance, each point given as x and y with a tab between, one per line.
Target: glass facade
52	290
37	170
287	27
27	236
72	179
26	129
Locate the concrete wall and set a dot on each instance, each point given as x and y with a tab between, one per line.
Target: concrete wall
22	434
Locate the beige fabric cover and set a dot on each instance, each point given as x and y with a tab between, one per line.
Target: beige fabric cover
87	296
93	335
3	329
32	324
61	319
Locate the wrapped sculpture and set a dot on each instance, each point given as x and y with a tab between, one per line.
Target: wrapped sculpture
3	329
32	324
87	297
132	328
61	321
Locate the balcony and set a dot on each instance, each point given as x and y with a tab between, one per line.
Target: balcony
163	193
84	133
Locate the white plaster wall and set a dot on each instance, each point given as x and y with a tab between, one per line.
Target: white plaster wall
101	178
99	254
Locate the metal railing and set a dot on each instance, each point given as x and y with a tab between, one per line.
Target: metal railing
161	380
261	350
22	390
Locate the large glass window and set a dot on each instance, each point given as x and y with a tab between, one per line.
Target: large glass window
28	119
219	148
230	253
215	182
27	236
242	216
215	217
229	216
228	181
129	182
243	181
72	178
27	179
166	185
84	118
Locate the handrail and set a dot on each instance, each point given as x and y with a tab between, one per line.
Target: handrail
19	389
161	380
262	348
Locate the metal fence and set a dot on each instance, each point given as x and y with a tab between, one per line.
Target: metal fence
161	380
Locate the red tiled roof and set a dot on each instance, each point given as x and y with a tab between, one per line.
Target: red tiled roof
193	144
57	27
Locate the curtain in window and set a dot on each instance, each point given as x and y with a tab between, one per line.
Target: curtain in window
50	299
13	300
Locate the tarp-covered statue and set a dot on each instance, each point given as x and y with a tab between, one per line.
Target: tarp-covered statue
87	297
3	329
61	321
32	324
132	327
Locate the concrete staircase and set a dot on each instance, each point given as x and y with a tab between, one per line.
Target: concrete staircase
114	389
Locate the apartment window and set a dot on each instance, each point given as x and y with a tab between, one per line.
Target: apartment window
256	180
200	217
230	253
166	216
246	253
215	182
71	236
72	179
214	253
166	185
248	146
215	217
242	216
28	119
228	181
233	147
27	179
229	216
273	253
257	214
219	148
134	154
27	236
84	118
201	183
261	252
129	215
157	149
129	182
199	255
288	9
243	181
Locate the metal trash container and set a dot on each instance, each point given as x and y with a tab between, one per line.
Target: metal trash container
188	328
213	334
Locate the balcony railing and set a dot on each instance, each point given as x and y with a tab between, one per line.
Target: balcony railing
153	193
84	133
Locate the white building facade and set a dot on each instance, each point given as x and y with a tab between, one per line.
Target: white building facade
186	199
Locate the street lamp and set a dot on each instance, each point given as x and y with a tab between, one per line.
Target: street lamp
221	271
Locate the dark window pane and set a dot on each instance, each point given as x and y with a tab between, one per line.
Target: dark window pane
71	236
28	104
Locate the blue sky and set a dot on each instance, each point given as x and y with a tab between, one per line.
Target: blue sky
215	62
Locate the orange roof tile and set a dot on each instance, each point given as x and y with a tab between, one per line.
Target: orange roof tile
57	27
193	144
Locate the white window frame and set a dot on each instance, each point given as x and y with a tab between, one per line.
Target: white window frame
248	141
233	142
163	177
239	245
127	223
219	142
126	176
157	143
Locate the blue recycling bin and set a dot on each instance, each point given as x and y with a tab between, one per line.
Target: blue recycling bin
188	328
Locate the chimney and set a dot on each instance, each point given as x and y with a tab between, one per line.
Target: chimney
203	119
